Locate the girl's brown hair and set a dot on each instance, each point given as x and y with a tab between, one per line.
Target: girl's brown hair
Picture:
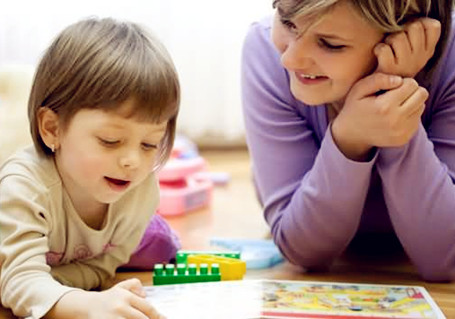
100	63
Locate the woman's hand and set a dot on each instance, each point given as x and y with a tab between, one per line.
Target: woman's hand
369	119
405	53
124	300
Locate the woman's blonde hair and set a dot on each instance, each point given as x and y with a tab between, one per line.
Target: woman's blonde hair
100	63
387	15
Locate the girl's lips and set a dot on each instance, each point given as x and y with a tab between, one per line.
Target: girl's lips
117	184
309	80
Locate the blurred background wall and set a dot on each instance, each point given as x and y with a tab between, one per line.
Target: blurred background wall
204	38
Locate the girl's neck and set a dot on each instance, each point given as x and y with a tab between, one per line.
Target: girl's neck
93	216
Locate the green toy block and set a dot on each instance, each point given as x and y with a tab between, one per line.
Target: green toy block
183	274
182	255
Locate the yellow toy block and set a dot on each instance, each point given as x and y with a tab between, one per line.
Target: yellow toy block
230	268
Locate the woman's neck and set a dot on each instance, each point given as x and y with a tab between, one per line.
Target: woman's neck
332	110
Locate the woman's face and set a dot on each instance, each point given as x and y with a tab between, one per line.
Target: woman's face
325	57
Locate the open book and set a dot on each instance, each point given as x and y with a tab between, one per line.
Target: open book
254	299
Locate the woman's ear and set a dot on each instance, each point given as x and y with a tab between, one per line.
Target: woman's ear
49	129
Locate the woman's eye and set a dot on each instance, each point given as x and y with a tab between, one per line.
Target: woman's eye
148	147
289	24
332	47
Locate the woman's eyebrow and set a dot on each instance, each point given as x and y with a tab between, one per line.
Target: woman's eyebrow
332	36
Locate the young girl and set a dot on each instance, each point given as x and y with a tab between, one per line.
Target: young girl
344	141
102	112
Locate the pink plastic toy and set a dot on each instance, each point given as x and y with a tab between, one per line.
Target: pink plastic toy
184	184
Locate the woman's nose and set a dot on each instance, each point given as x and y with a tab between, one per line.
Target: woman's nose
296	55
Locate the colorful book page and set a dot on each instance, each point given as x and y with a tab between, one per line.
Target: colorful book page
254	299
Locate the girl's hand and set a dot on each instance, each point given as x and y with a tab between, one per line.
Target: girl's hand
405	53
126	300
369	120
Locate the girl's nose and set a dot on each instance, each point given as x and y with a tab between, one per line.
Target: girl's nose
130	159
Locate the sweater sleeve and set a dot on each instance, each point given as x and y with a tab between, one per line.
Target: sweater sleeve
312	195
418	181
25	275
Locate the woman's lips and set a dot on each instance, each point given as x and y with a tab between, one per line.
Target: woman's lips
308	79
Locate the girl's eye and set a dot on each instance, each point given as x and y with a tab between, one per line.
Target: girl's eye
332	47
148	147
288	24
108	142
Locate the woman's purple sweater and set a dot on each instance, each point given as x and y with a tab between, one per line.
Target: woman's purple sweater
315	199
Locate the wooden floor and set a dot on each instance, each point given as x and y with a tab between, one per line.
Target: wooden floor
235	213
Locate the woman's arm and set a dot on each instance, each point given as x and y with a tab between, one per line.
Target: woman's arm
418	180
313	196
418	177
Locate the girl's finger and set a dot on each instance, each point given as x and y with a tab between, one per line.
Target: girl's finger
145	307
134	285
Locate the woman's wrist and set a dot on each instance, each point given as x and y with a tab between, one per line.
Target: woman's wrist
353	148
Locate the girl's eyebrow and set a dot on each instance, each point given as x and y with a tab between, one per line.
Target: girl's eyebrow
112	126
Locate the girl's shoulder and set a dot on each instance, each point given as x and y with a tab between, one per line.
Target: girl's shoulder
27	163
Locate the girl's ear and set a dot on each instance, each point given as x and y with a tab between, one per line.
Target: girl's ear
48	125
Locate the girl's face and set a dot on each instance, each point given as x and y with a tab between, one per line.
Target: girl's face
103	154
326	57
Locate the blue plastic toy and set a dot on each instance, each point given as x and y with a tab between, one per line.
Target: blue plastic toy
257	253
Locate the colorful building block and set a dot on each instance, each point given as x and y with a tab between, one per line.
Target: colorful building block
182	274
230	268
257	253
182	255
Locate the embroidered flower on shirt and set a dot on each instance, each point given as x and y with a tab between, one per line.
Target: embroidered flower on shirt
82	252
108	247
53	258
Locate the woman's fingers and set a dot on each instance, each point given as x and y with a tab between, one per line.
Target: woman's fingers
400	45
406	52
416	35
432	28
374	83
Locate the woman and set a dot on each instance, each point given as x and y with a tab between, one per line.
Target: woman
349	109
